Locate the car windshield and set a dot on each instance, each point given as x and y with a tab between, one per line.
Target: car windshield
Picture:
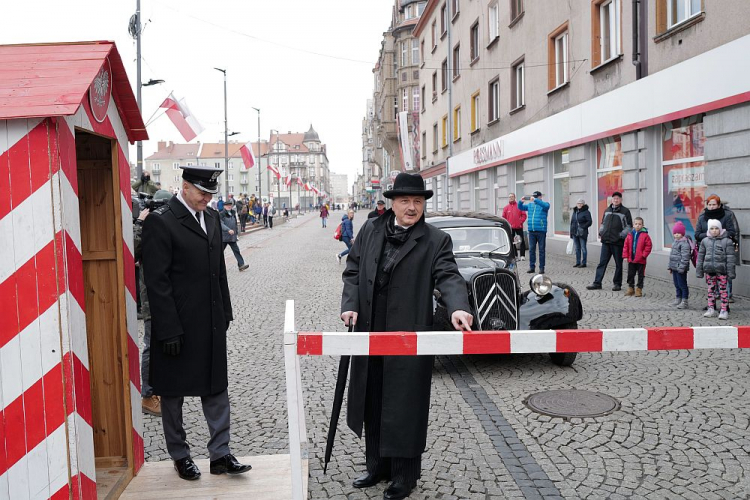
479	239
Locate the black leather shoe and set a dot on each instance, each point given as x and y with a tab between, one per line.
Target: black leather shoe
367	480
187	469
616	288
397	491
530	271
594	286
576	265
228	465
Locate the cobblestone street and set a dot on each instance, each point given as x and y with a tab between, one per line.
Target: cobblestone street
681	430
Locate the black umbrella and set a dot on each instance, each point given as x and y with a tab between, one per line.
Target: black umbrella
338	399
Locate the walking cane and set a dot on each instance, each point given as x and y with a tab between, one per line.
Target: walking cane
338	399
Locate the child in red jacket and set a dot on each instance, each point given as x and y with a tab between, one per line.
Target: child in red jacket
636	250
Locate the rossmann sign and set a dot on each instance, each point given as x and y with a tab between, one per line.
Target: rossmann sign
487	153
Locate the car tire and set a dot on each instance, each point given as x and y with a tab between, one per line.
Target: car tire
564	358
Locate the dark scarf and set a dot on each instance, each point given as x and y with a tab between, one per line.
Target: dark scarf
717	214
395	237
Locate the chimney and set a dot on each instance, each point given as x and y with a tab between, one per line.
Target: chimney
161	145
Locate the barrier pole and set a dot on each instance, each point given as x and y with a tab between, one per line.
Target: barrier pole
294	403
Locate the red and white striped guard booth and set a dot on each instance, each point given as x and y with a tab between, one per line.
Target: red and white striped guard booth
69	359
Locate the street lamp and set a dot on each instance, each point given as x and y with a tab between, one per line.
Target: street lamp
226	137
152	82
278	167
260	179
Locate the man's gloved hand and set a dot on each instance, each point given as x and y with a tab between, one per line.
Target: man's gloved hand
172	347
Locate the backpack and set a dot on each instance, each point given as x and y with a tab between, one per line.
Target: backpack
693	250
337	233
273	211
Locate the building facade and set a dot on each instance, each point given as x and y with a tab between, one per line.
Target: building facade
305	157
339	188
164	164
587	98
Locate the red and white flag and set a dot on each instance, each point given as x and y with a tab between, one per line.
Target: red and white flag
315	190
307	186
248	157
179	113
299	181
288	180
275	171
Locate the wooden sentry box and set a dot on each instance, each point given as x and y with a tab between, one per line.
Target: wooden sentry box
69	358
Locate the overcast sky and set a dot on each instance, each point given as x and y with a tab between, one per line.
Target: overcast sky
183	40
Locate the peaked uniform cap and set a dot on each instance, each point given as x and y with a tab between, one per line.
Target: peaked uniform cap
204	178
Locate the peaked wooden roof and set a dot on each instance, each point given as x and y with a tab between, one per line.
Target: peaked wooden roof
40	80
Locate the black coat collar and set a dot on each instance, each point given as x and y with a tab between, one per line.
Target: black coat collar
186	218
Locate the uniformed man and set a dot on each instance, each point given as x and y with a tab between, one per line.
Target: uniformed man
396	263
186	280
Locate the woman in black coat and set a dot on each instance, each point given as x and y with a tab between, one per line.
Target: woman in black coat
580	222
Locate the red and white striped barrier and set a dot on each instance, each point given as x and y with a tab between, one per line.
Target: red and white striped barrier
298	344
522	341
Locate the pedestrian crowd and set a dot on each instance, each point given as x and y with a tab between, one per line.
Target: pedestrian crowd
625	239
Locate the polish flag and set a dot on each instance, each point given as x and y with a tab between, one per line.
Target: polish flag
315	190
247	156
288	180
307	186
275	171
299	181
179	113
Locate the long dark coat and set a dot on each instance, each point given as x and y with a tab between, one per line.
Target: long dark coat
425	263
186	280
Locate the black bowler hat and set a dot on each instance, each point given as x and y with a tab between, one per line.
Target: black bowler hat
408	185
204	178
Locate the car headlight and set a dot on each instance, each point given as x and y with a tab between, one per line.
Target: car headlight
541	284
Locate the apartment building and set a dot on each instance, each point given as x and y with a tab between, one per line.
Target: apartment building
165	163
581	99
305	157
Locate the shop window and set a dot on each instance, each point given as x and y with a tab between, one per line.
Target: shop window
608	171
520	183
683	174
561	195
606	26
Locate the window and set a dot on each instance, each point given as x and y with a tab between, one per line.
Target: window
176	165
683	173
424	145
561	196
679	11
395	107
231	165
420	8
455	8
230	177
475	111
474	39
408	12
231	188
516	8
434	86
444	132
403	54
493	111
404	76
217	165
404	99
456	60
608	171
606	36
520	183
415	98
434	137
433	30
421	50
518	97
176	178
155	167
456	123
443	19
493	22
414	51
558	57
444	79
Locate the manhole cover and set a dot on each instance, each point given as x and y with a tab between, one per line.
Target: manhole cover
572	403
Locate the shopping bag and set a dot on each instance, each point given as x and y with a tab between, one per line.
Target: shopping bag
569	250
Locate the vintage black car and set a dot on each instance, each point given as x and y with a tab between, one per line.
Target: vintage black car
486	258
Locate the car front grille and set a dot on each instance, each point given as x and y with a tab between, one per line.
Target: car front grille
495	301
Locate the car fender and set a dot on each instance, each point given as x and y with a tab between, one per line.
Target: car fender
551	310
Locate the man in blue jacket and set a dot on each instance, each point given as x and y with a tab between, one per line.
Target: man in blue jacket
537	225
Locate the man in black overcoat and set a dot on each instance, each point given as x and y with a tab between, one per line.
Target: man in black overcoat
186	282
396	263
